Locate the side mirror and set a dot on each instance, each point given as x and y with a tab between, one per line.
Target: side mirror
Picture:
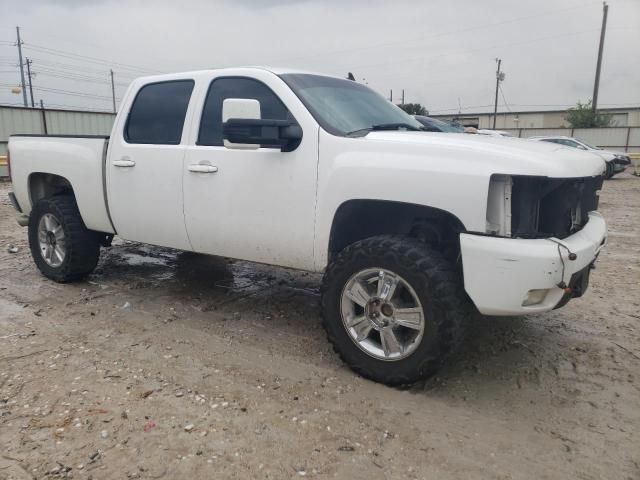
239	108
242	128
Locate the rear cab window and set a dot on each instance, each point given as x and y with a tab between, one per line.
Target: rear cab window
158	113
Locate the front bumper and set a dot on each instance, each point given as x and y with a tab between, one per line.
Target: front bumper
500	272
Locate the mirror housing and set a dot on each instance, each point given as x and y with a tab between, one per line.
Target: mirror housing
240	108
243	128
258	132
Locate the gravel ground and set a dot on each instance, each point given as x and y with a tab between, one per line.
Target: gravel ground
173	365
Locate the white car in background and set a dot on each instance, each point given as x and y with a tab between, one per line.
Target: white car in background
494	133
616	161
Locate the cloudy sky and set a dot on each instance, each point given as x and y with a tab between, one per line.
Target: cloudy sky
441	52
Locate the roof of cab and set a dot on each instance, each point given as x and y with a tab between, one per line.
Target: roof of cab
234	70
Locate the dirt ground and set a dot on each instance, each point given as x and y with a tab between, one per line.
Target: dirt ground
173	365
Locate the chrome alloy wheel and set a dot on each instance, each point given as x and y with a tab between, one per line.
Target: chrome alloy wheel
51	240
382	314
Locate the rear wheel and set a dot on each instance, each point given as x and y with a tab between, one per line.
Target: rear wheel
62	247
393	308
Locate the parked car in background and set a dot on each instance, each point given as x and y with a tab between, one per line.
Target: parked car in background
435	125
616	161
494	133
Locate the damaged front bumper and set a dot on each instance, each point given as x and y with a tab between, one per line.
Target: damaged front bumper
514	276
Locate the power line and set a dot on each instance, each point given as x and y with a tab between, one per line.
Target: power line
459	52
63	75
63	92
75	67
419	40
71	93
87	58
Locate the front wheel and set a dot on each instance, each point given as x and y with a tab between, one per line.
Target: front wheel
61	246
609	171
393	308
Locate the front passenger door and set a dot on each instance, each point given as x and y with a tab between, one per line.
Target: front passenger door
256	204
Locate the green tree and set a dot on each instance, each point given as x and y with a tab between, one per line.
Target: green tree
583	116
414	109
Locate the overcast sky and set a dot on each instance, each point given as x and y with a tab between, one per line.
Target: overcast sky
442	52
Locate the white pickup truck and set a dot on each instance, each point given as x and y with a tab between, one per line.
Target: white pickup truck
411	229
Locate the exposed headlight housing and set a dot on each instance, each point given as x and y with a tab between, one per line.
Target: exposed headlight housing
523	206
499	205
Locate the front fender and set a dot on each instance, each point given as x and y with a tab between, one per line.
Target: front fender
401	176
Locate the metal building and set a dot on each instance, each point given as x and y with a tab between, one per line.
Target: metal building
51	121
621	117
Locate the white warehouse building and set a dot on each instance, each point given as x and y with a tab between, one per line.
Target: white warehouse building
621	117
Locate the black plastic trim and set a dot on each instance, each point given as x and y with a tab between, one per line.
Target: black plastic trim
14	202
578	284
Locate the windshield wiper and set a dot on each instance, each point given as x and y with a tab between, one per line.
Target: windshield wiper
396	126
385	126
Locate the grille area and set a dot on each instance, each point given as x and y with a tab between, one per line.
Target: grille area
551	207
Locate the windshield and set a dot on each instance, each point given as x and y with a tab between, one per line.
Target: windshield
346	107
590	147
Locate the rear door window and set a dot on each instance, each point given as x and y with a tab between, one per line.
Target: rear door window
158	112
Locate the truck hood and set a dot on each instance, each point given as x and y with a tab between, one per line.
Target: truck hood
505	155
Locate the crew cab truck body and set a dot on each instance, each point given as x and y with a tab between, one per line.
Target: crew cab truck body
411	229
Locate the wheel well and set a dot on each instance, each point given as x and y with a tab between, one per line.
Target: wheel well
43	185
359	219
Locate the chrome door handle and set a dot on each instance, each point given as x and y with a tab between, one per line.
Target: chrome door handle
123	162
199	168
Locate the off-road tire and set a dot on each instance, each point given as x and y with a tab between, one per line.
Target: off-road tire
438	285
82	245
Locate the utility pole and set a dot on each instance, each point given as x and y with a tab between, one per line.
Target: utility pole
391	95
113	92
403	96
499	78
24	88
596	86
29	62
44	118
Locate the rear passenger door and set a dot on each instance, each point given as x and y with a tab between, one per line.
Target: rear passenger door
144	168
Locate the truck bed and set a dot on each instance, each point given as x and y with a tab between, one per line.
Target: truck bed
79	159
